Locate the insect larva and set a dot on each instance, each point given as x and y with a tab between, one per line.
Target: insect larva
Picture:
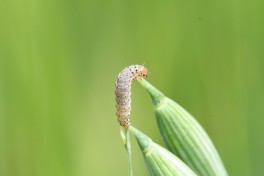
122	91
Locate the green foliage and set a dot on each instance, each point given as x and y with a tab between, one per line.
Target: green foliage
184	136
60	58
159	161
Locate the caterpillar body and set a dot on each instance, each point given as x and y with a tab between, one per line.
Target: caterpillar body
122	92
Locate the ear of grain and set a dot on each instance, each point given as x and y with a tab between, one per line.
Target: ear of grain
159	161
184	136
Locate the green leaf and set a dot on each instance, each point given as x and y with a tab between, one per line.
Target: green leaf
160	161
184	136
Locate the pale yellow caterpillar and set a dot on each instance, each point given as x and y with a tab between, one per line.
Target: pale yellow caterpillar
122	91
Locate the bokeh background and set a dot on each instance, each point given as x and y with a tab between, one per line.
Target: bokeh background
59	60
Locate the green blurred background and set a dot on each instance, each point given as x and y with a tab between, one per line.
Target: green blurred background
59	61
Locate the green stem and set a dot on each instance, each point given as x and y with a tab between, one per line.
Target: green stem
126	139
128	147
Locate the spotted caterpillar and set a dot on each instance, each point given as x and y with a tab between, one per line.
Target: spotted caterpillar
122	91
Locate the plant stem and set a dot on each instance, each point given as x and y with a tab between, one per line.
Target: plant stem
126	139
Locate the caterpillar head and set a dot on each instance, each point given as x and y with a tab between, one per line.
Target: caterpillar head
143	72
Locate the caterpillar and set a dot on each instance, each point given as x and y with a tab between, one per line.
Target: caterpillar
122	92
